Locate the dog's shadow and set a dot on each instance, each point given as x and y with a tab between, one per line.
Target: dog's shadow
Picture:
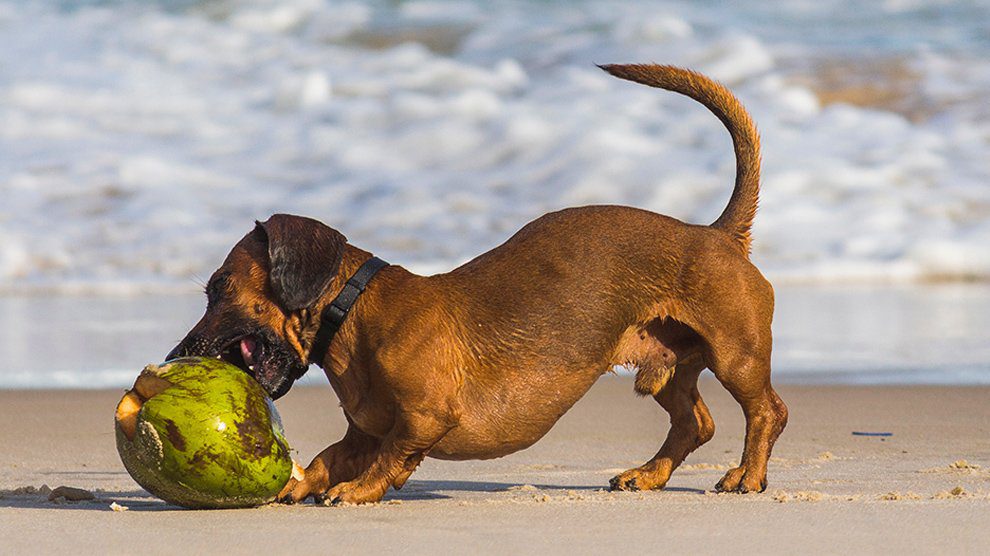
414	490
434	489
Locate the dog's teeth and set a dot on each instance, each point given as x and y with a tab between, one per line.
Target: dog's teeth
218	357
251	368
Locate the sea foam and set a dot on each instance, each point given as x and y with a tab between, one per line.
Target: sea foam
139	141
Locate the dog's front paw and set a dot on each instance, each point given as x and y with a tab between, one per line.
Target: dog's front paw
355	492
621	482
312	481
738	480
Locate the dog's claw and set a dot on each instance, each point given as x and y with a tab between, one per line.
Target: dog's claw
336	501
616	483
740	488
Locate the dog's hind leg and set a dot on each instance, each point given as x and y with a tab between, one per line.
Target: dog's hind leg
691	425
739	355
748	380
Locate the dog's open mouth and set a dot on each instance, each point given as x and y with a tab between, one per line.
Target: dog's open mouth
259	353
272	365
244	352
255	357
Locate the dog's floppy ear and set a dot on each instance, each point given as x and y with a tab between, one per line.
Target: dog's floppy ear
305	255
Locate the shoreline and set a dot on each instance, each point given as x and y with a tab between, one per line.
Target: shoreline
927	335
925	488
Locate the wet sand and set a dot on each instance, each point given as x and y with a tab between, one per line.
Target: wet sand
925	489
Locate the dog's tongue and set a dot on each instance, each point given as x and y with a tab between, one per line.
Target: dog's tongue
248	345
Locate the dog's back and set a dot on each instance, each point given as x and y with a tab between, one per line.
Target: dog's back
578	291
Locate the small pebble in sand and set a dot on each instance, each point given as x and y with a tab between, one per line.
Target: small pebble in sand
826	456
70	494
117	507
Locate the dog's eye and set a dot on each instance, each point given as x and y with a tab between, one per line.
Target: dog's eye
216	288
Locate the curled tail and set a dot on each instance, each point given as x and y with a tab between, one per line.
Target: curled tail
737	218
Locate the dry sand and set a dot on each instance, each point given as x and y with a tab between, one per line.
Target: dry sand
926	489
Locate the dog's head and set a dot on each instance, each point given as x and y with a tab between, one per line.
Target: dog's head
259	301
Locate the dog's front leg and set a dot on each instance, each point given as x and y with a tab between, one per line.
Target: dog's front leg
341	462
400	452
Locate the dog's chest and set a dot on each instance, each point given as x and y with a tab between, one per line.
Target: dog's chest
375	421
368	410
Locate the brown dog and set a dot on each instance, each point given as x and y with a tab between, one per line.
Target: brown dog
480	362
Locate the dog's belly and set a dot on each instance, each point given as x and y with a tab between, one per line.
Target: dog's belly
505	418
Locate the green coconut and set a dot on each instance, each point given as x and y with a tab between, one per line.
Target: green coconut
200	433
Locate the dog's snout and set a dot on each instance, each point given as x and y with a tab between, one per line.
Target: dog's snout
191	346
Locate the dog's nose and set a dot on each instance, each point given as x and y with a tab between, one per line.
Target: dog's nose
177	351
189	346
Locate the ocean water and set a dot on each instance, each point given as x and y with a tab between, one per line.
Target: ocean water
931	334
139	140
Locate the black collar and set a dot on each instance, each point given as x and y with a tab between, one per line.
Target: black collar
334	314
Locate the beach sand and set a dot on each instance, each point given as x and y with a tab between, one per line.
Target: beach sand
925	489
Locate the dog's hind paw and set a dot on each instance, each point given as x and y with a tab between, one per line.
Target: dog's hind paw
737	480
648	477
